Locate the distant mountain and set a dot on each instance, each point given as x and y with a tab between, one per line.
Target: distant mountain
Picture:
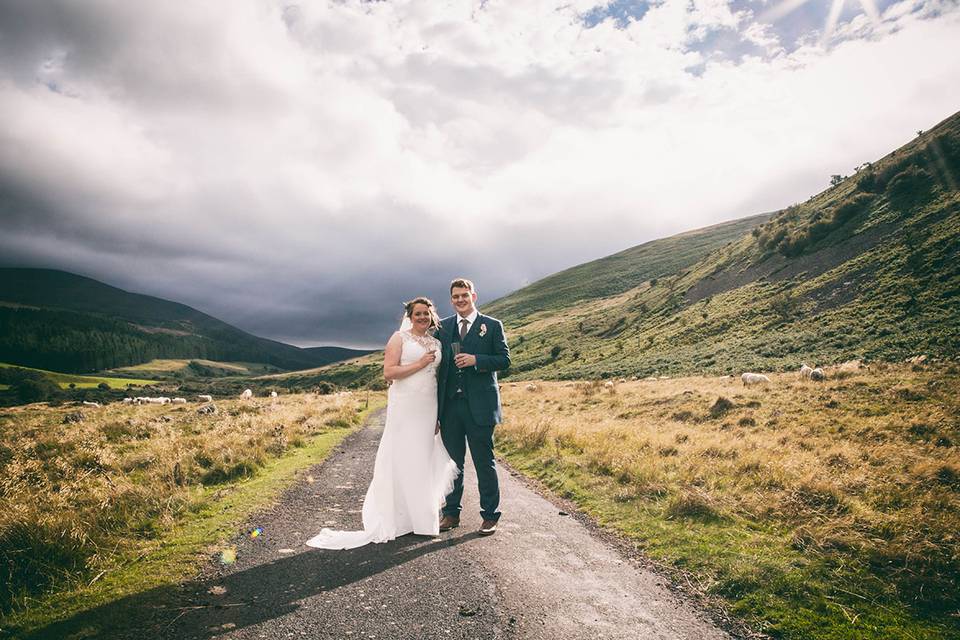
61	321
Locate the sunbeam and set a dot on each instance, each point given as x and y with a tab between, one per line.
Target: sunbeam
833	17
835	8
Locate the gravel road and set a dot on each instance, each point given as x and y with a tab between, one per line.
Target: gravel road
542	576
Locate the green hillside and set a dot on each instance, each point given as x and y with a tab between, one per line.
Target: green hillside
64	322
870	268
620	272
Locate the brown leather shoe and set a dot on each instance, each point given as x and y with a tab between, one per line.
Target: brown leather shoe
488	528
449	522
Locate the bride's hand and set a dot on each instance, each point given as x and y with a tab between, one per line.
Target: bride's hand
428	358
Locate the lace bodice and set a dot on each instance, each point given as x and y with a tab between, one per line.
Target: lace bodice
413	348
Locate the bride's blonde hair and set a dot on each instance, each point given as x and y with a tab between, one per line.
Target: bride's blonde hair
434	318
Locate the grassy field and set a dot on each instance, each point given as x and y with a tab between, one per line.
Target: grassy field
167	368
64	380
811	510
124	499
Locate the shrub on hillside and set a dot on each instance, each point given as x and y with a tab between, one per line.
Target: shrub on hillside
909	188
37	389
850	208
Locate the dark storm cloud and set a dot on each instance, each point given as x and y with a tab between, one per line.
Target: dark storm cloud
300	171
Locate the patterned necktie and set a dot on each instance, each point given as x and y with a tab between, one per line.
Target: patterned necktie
463	328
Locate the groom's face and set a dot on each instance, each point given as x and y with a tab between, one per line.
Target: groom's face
463	300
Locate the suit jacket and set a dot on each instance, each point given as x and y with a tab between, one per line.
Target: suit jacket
488	343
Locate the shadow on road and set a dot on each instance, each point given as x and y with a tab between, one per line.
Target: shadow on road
253	595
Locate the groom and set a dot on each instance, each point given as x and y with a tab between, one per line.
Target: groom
469	399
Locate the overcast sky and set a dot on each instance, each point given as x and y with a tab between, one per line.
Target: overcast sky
299	169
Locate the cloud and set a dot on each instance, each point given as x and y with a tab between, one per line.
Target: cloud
301	169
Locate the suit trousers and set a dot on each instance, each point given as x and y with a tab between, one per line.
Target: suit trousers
457	429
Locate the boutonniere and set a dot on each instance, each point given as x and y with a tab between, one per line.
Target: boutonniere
483	330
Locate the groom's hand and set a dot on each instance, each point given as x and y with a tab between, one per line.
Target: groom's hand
465	360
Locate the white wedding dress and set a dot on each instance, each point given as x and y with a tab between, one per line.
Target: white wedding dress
413	472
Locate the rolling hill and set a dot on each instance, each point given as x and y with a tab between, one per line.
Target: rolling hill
64	322
868	269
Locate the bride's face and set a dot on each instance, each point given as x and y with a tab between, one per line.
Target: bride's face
420	317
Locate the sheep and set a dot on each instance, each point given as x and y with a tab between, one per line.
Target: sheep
805	371
179	401
754	378
273	394
817	374
128	401
531	387
205	398
246	394
608	384
91	404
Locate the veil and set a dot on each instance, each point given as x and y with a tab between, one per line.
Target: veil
406	324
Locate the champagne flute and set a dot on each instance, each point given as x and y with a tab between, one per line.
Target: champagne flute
455	349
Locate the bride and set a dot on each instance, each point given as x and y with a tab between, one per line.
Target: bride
413	472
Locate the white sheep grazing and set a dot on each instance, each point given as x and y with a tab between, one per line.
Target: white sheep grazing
128	401
273	394
608	384
91	404
247	394
205	398
531	387
805	371
754	378
818	374
179	401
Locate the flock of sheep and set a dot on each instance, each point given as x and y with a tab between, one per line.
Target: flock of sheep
246	395
807	372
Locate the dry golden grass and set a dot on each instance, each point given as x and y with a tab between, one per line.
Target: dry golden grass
79	484
860	472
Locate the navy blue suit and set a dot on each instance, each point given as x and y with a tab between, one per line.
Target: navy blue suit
469	406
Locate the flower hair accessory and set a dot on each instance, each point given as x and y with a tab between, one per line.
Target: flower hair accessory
483	330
